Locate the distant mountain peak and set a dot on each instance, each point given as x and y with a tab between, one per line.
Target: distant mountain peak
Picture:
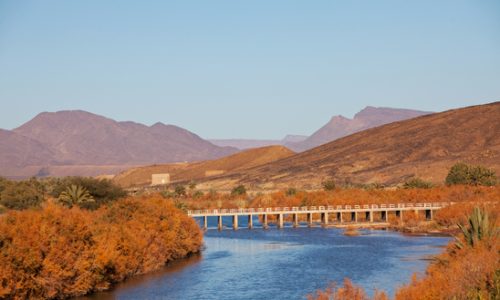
340	126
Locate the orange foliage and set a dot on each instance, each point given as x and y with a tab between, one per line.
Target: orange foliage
464	274
348	291
349	197
58	252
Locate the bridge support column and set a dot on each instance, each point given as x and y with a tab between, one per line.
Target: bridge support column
205	222
383	215
295	220
280	221
324	218
309	219
219	222
250	222
428	214
235	222
339	217
264	221
399	214
354	216
369	216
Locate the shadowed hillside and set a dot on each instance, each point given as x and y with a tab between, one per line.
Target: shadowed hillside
200	170
426	147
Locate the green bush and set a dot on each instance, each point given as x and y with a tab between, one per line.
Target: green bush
180	191
102	190
22	194
239	190
75	195
328	185
461	173
417	183
197	194
291	191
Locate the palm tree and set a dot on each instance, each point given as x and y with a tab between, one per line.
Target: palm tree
75	195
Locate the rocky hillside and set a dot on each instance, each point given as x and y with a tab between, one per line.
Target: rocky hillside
185	172
425	147
340	126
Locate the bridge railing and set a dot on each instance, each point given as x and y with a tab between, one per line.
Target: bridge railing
318	208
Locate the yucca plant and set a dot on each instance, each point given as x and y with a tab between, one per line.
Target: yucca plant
479	228
75	195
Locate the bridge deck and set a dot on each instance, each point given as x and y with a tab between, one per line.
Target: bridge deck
318	209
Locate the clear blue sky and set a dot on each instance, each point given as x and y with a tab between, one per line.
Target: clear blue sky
250	69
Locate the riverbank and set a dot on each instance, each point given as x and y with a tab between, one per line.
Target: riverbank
284	264
57	252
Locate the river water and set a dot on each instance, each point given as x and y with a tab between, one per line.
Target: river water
285	264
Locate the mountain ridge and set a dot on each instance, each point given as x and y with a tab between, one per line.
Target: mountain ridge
76	137
425	146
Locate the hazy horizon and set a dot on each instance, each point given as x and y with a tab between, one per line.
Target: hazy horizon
255	70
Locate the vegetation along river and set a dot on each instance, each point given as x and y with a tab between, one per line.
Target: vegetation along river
284	264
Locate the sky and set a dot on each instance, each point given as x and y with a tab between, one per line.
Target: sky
245	69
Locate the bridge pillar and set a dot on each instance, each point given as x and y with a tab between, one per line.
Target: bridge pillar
309	219
399	214
250	221
339	217
280	221
264	224
369	216
383	215
235	222
428	214
219	222
324	218
205	222
295	220
354	216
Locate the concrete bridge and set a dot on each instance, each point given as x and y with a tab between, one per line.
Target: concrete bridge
338	214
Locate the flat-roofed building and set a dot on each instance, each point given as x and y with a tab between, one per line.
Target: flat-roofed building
160	179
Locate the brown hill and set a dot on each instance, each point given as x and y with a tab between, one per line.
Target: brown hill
425	147
183	172
340	126
77	138
243	144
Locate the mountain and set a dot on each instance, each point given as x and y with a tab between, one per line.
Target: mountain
243	144
17	151
340	126
79	138
426	147
201	170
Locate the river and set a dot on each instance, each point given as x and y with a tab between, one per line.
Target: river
284	264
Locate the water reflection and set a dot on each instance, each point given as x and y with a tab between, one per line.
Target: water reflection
284	264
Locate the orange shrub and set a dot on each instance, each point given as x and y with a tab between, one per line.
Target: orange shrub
58	252
348	291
